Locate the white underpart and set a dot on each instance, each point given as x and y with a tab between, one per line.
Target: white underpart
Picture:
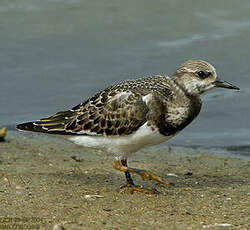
123	145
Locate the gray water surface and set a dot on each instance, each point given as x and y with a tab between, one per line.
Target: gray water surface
56	53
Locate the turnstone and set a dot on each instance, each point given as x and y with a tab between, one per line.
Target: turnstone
126	117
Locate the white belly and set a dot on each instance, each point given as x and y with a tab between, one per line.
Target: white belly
124	145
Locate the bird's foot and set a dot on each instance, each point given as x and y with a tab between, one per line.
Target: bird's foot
145	175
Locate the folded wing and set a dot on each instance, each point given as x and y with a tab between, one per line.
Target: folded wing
108	113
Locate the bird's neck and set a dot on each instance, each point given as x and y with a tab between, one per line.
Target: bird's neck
192	101
190	88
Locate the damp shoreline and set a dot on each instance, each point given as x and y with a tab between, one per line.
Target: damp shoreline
46	181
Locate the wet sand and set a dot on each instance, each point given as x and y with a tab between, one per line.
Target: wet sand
46	181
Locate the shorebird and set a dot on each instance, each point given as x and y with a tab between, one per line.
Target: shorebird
133	114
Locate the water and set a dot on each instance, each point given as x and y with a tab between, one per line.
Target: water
56	53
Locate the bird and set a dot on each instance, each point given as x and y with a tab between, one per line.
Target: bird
134	114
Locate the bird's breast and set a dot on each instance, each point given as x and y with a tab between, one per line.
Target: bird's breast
178	116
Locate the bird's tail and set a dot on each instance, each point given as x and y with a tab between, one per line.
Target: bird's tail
30	126
60	123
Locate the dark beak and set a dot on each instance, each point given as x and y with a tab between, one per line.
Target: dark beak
223	84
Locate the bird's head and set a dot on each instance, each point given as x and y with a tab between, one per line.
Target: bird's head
196	77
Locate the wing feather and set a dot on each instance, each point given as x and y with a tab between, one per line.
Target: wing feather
117	116
116	111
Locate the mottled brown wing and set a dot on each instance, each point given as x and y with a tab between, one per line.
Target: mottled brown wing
111	113
108	113
115	111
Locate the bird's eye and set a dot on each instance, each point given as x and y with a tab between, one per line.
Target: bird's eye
202	74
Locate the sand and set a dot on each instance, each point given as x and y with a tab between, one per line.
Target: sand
50	183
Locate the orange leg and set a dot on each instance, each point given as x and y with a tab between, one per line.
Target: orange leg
121	165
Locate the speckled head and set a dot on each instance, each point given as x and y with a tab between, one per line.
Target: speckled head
197	77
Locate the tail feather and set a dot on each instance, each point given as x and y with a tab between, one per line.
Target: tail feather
30	126
35	127
51	125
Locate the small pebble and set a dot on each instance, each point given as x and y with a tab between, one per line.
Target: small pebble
92	196
172	174
189	173
75	158
58	227
217	225
3	134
